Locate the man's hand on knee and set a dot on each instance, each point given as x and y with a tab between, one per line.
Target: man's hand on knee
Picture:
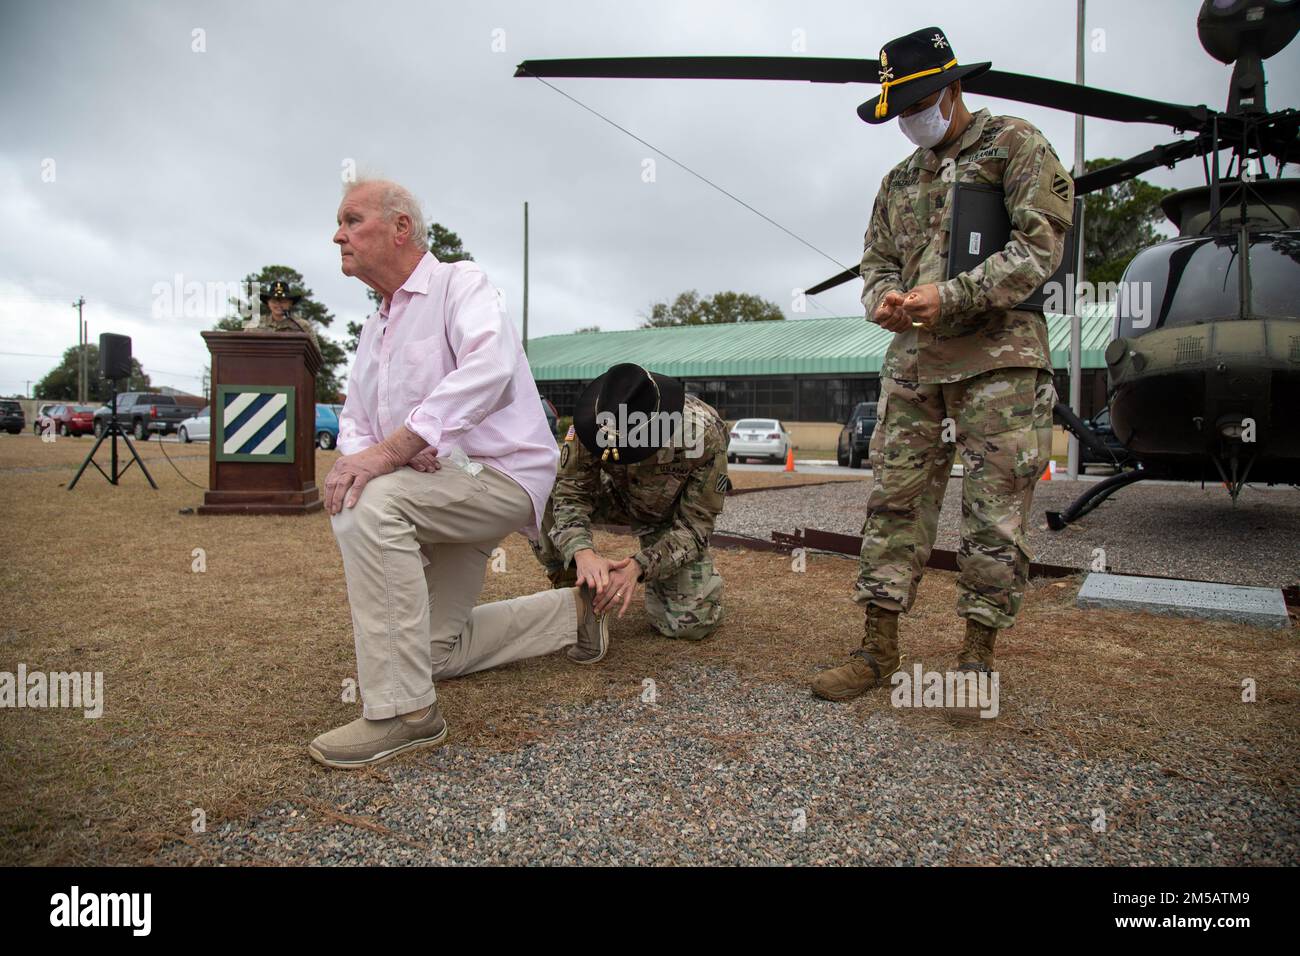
351	474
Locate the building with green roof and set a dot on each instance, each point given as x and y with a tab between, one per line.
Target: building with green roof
798	370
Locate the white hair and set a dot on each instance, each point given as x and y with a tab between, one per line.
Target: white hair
395	200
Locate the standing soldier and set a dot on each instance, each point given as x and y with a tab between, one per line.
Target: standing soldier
281	301
640	453
966	368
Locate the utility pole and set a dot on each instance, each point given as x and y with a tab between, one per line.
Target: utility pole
1076	323
525	277
81	350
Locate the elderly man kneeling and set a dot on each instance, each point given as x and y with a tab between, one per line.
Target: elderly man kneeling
446	451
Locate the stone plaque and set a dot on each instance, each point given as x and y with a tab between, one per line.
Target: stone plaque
1261	607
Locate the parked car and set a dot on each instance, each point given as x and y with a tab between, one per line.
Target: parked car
759	438
1101	425
144	413
197	427
12	418
327	427
855	436
551	415
70	420
42	419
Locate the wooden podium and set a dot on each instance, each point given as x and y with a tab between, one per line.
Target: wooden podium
262	444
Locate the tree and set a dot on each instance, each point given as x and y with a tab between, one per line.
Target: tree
689	309
61	381
444	244
1118	222
328	384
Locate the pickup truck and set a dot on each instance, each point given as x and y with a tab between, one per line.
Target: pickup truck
144	413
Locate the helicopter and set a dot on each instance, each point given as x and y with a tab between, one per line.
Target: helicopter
1205	382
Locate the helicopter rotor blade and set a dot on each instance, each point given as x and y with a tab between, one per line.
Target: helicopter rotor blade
1054	94
807	69
1165	155
1087	100
833	281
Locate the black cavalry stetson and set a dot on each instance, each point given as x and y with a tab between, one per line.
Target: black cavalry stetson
911	68
623	390
279	289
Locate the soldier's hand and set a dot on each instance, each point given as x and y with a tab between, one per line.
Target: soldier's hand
622	587
593	570
890	315
922	304
426	460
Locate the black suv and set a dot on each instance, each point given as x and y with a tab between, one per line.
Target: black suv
12	418
855	436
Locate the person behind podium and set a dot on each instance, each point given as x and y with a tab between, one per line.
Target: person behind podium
446	450
281	301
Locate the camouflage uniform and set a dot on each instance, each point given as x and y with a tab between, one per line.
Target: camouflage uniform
982	364
670	500
290	323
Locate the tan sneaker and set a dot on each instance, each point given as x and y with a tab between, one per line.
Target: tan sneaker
870	665
364	743
593	633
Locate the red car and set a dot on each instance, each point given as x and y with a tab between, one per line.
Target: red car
72	420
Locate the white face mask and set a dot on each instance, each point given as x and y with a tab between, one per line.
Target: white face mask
927	127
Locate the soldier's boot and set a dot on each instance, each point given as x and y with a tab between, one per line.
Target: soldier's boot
975	657
870	665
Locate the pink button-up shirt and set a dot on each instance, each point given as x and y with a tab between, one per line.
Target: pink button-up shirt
444	359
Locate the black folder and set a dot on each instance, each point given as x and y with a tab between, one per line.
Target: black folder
981	227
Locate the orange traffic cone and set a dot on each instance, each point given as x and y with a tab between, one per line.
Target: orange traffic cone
1047	472
789	459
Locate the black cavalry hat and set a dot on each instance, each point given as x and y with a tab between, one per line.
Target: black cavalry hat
911	68
635	390
279	289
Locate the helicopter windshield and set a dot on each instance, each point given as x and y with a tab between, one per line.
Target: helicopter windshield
1194	279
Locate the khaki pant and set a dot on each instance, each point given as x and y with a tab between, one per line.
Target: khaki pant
415	623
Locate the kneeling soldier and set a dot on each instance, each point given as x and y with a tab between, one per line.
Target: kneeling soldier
640	453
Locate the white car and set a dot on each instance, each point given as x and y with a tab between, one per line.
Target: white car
196	428
759	438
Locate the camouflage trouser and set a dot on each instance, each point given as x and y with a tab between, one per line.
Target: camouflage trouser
686	604
1002	422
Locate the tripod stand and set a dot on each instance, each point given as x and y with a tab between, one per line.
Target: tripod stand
115	430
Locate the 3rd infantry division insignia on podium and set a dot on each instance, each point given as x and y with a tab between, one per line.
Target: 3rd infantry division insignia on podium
254	423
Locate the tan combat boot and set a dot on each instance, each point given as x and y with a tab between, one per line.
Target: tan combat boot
976	657
870	665
976	652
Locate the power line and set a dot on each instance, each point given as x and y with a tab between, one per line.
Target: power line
702	178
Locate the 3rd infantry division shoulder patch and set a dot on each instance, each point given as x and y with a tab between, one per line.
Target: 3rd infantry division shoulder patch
1061	187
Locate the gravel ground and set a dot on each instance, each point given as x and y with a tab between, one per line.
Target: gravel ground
1176	530
723	771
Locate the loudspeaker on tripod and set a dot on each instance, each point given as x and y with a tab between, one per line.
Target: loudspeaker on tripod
114	356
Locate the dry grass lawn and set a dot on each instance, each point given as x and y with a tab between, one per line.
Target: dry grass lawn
215	681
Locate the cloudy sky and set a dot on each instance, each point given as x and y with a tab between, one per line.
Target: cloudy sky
136	149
